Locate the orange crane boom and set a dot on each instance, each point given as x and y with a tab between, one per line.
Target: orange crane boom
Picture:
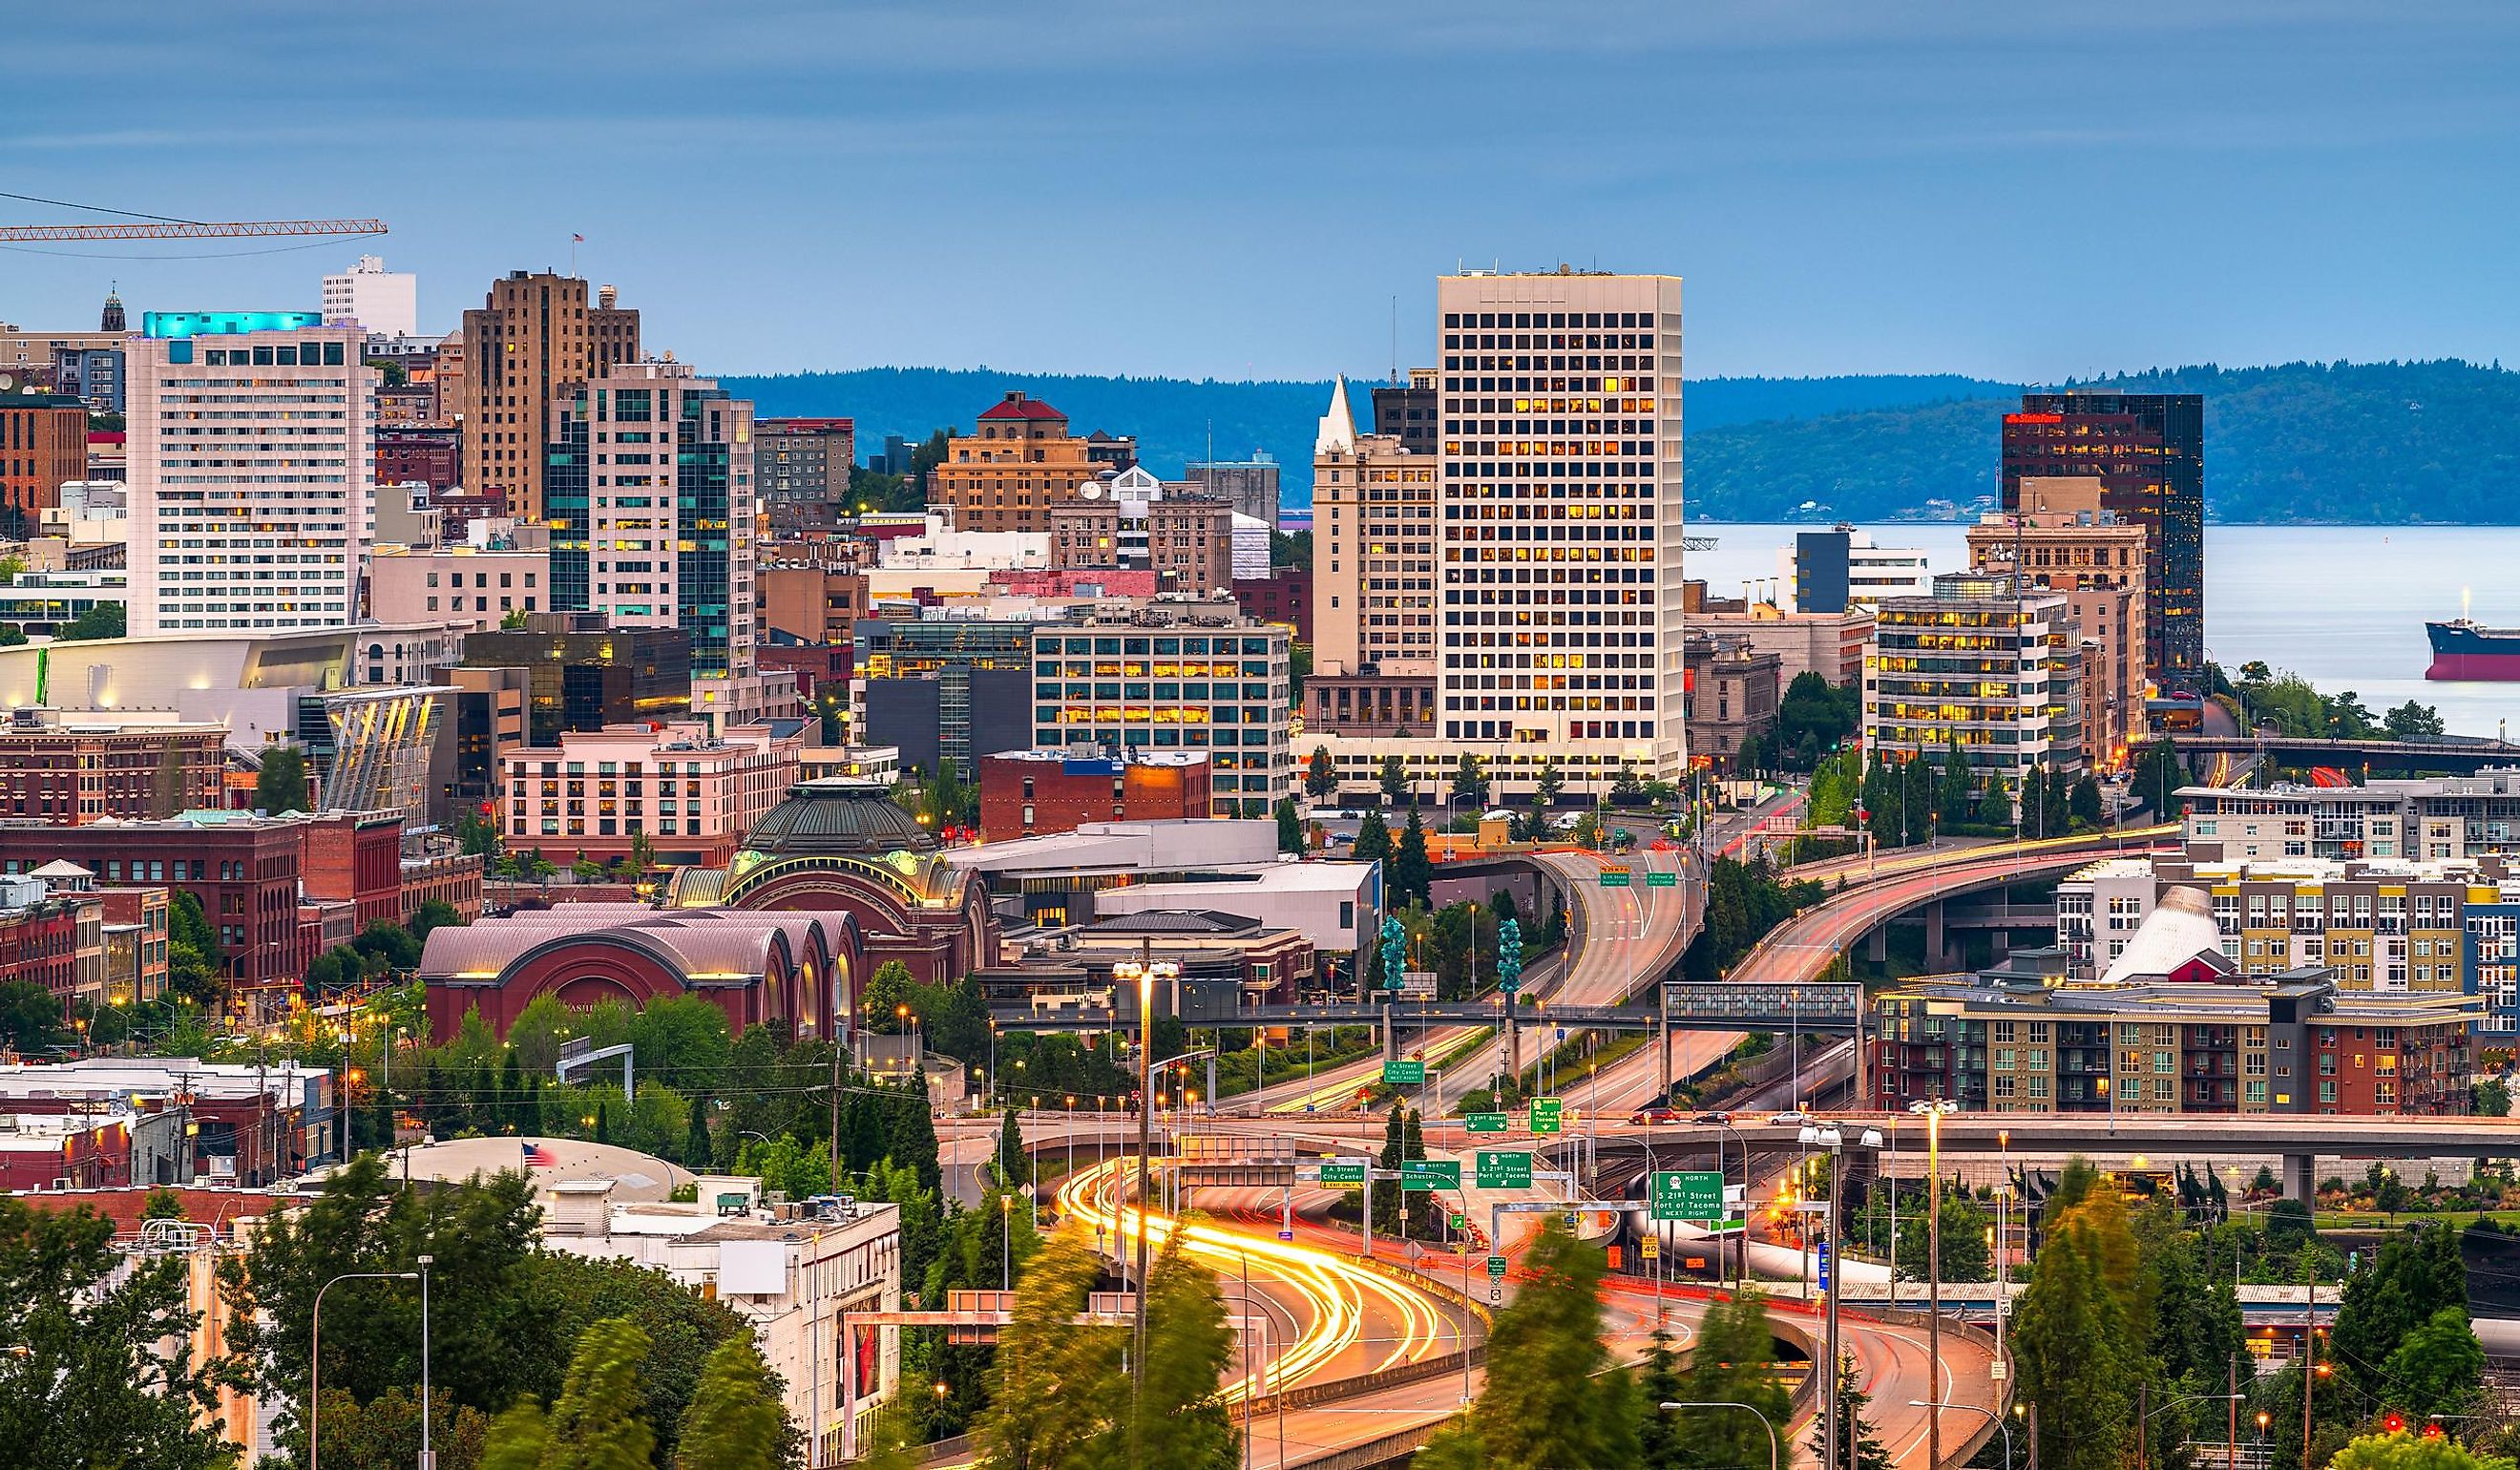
201	231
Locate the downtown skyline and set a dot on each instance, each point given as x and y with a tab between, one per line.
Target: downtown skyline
1969	190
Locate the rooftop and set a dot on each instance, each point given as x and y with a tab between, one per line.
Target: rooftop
1018	406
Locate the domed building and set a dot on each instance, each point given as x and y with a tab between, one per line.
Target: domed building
841	844
836	880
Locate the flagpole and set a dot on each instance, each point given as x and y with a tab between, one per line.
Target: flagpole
574	239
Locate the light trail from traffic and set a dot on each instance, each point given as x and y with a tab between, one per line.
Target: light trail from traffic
1338	1292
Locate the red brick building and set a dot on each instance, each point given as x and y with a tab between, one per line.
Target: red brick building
57	944
43	441
1284	596
69	773
49	1152
430	456
246	871
1026	793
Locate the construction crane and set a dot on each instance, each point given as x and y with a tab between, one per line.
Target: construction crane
193	230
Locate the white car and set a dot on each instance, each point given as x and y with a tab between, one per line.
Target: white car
1792	1117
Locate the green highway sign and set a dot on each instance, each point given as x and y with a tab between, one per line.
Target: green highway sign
1461	1221
1503	1171
1548	1115
1496	1268
1488	1123
1333	1173
1687	1194
1431	1174
1657	878
1404	1074
1615	877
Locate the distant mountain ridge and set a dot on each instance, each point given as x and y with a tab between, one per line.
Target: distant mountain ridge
2411	442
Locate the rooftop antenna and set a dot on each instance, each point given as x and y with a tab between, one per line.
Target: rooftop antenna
1395	340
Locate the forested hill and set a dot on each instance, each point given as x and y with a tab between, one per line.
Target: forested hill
2377	442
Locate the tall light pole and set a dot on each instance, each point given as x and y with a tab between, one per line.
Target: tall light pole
1772	1443
315	1350
1835	1141
428	1456
1933	1110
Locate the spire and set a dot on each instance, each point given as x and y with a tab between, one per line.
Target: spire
1338	434
113	321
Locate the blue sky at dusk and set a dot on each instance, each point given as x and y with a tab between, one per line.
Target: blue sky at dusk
1240	191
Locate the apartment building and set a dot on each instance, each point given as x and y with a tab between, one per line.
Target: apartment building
2427	818
251	471
801	468
691	794
2378	925
2182	1032
1995	667
2063	539
43	446
458	585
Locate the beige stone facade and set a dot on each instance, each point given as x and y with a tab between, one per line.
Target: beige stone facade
1191	543
533	335
1013	468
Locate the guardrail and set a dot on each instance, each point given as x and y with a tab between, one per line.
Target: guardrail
1974	1440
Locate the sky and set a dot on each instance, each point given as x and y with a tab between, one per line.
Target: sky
2021	192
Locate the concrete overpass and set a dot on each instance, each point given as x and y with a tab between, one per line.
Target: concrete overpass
2456	756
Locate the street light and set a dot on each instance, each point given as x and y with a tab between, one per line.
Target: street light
1829	1137
1991	1415
1731	1403
2144	1419
1932	1110
315	1350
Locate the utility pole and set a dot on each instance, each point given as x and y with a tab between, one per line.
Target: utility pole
1145	1171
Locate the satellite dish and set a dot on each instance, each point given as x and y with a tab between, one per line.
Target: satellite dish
7	382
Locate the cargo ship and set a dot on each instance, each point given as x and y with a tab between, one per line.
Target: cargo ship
2465	649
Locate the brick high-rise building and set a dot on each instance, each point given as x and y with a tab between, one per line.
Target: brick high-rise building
1018	463
74	769
533	336
2066	542
43	443
1032	794
1191	543
2148	452
801	466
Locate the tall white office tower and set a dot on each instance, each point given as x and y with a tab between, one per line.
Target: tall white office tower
253	472
386	302
1559	634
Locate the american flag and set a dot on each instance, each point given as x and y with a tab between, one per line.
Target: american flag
539	1157
577	240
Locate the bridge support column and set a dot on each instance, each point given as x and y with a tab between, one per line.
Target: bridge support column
1390	1036
1662	1057
1935	959
1878	951
2298	1181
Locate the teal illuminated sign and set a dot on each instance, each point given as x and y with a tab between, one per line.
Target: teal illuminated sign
184	324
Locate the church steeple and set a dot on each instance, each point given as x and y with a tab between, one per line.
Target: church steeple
113	321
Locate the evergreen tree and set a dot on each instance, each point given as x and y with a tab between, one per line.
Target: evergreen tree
1055	1388
736	1420
1550	1399
2082	807
1290	826
1393	778
2072	1342
697	1153
280	784
1412	875
1320	773
1858	1447
594	1423
1014	1166
1727	1363
1181	1418
511	1096
1470	782
2034	802
1663	1443
1386	1193
1957	801
1372	837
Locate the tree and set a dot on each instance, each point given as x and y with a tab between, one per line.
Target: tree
1753	756
1995	806
736	1421
2413	722
2490	1098
280	784
1290	826
595	1424
2073	1339
1413	875
2083	808
1372	837
1965	1257
1055	1388
1727	1363
1545	788
1663	1443
2411	1451
2158	776
2416	1276
29	1016
1549	1400
88	1377
1858	1446
2439	1369
1014	1166
1394	780
1470	782
434	914
1955	801
1320	773
383	1432
1813	718
103	620
887	992
1181	1418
